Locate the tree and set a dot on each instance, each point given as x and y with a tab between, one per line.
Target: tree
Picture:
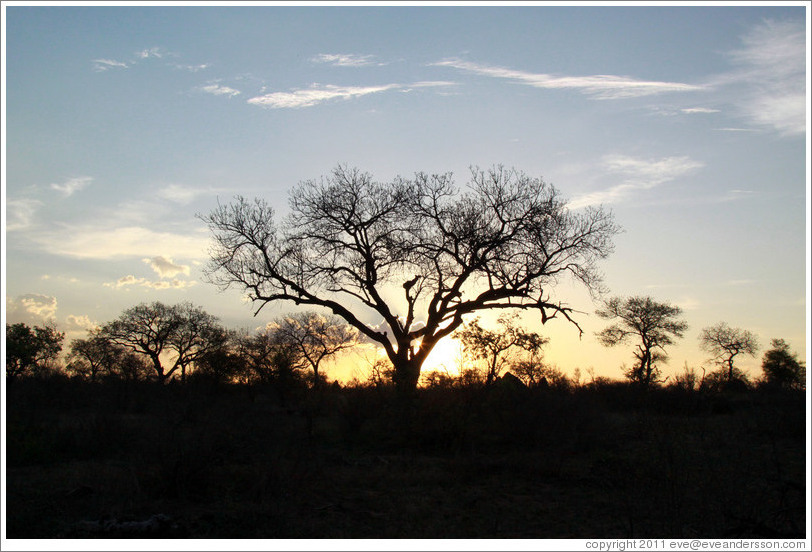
30	350
725	343
94	356
315	338
351	245
178	334
97	356
781	367
655	324
495	346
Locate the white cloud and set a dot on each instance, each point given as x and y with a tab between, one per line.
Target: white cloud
23	307
769	82
603	87
317	94
693	110
177	193
637	174
105	64
220	90
94	242
192	68
345	60
72	185
150	53
19	213
131	280
165	267
80	322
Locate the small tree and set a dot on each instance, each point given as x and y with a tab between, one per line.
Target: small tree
178	334
94	356
29	351
655	324
495	347
725	343
314	338
781	366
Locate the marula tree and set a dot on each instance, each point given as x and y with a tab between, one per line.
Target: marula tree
351	245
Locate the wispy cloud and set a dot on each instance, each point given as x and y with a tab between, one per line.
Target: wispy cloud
346	60
317	94
131	280
98	242
220	90
165	267
107	64
178	193
192	68
637	174
769	81
694	110
603	87
20	213
147	53
73	185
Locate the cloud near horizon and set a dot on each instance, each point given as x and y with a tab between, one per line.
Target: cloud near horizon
31	308
601	87
130	280
165	267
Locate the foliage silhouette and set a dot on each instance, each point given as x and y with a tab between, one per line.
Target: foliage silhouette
655	324
725	343
350	240
29	351
183	332
781	366
497	347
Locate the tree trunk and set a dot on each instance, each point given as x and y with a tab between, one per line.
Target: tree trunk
407	374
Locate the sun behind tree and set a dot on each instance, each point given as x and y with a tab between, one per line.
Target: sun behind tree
350	242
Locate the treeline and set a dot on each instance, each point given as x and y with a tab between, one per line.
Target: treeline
163	343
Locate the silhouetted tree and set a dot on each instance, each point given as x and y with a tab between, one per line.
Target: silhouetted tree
29	351
655	324
725	343
178	334
96	357
349	242
315	338
494	347
781	366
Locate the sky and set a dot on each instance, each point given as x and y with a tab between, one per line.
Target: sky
123	123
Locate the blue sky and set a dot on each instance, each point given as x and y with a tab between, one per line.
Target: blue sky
689	122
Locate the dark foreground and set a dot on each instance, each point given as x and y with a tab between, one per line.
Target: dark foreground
203	461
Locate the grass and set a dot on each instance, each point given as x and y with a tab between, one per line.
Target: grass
231	462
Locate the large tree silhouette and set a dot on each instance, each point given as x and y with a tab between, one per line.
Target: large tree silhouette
352	246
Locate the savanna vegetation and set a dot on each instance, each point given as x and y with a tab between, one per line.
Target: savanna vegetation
164	423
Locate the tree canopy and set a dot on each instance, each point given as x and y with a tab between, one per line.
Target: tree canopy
726	343
655	324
